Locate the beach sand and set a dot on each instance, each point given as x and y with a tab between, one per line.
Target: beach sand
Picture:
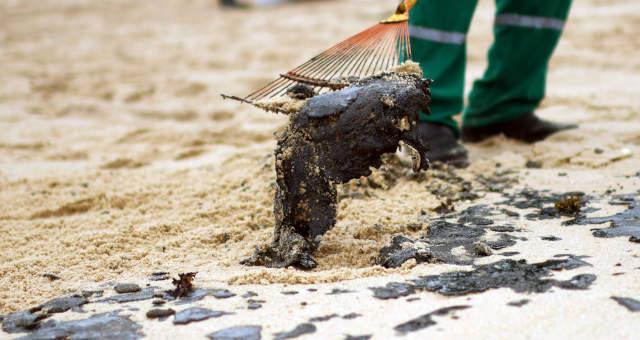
118	157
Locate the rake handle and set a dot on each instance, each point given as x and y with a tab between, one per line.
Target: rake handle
402	12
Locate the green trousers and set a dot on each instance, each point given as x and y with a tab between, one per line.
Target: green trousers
525	35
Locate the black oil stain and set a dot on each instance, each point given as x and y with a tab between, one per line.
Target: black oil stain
631	304
199	294
323	318
254	304
550	238
61	305
22	321
160	313
249	294
251	332
426	320
358	337
336	291
626	223
159	276
29	320
110	326
145	294
517	275
301	329
196	314
122	288
468	236
548	205
519	303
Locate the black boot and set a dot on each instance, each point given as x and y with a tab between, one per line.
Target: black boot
443	146
229	3
527	128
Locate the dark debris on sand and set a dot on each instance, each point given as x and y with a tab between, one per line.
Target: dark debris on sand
336	137
108	326
183	285
632	305
426	320
626	223
301	329
251	332
517	275
470	232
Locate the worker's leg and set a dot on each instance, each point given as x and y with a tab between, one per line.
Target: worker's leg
526	33
438	34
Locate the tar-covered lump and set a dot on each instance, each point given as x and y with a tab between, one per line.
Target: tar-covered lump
336	137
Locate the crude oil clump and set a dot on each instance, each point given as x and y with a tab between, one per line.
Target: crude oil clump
336	137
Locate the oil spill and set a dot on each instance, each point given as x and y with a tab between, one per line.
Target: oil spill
550	238
301	329
336	291
199	294
29	319
100	326
160	313
358	337
122	288
548	205
626	223
393	290
91	293
518	303
632	305
145	294
426	320
251	332
22	321
196	314
254	304
517	275
159	276
324	318
336	137
459	242
249	294
61	305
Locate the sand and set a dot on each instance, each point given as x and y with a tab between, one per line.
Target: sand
118	157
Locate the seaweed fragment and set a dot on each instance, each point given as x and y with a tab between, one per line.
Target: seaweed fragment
569	205
183	285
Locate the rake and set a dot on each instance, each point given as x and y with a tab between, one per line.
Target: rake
375	49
